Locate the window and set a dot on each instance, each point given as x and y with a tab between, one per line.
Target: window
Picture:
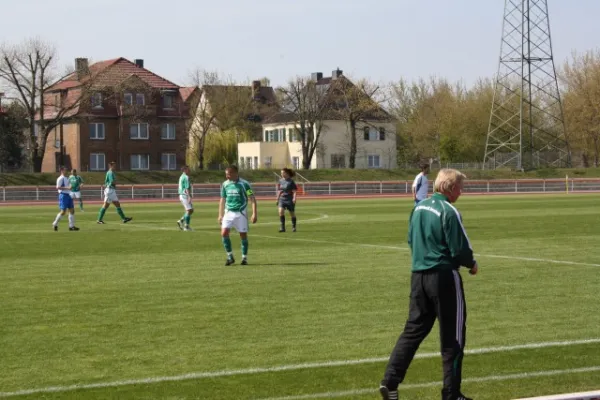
266	136
268	162
382	133
248	163
140	162
370	134
366	132
128	99
338	161
97	131
97	100
138	131
296	162
56	139
167	132
168	161
242	163
255	162
140	99
97	162
167	101
374	161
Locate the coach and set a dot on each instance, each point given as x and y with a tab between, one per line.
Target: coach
439	246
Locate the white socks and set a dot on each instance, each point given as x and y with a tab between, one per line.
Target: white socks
58	217
71	220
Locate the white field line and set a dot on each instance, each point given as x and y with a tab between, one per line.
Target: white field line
377	246
280	368
490	378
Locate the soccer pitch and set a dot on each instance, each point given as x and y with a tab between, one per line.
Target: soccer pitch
143	310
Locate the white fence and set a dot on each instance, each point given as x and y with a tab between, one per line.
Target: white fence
157	192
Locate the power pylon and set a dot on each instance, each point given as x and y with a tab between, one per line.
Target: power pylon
526	128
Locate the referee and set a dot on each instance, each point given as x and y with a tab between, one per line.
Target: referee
439	246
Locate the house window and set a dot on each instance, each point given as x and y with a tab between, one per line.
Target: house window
296	162
140	162
96	131
374	161
268	162
271	136
242	162
370	134
167	131
138	131
140	99
167	101
248	162
266	136
128	99
97	162
97	100
255	162
338	161
382	133
168	161
283	135
56	139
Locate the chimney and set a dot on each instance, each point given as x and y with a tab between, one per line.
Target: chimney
336	73
316	76
81	67
139	62
255	89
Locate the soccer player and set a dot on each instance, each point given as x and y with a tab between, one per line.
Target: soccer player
420	185
286	198
185	197
235	193
65	201
439	246
110	195
76	183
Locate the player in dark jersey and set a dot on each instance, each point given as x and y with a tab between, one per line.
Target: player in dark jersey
286	198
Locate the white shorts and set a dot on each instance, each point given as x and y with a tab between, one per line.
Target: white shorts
237	220
110	195
75	195
186	202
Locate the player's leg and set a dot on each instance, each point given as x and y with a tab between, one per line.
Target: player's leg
452	315
187	218
281	210
117	204
292	210
421	317
241	225
72	226
63	208
226	225
80	198
102	211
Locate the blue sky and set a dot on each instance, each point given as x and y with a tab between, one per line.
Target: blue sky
382	40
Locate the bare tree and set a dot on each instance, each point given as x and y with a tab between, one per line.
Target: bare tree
357	103
305	104
223	106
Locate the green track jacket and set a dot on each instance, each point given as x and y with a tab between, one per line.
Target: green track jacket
437	237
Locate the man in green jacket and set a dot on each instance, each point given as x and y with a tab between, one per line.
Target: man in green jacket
439	246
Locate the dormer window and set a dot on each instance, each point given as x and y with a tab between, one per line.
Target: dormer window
97	100
128	99
140	99
167	101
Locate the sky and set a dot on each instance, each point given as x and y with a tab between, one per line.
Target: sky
382	40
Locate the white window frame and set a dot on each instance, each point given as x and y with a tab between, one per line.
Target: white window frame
371	160
97	100
268	161
296	162
95	129
96	157
128	99
139	158
170	105
255	162
248	163
139	96
138	135
171	166
170	129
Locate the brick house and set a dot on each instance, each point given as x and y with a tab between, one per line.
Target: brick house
117	111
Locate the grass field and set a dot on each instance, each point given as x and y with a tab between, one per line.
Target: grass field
144	310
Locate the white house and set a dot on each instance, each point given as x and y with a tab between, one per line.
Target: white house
280	147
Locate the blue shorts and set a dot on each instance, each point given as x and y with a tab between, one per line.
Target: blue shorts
65	201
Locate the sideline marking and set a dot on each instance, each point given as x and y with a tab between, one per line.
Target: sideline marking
280	368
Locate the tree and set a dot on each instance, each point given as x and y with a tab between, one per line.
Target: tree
357	103
13	121
223	106
305	104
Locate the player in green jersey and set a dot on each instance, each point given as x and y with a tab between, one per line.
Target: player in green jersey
110	195
235	193
76	182
185	197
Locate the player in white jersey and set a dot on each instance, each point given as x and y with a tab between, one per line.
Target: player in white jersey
65	201
420	186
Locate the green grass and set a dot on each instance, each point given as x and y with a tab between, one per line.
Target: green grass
266	175
143	300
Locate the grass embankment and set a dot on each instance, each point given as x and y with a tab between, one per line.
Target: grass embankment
265	175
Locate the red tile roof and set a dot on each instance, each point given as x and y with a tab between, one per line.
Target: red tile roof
186	92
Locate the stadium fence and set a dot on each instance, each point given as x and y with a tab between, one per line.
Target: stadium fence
313	189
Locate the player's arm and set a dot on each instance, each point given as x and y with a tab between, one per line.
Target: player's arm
279	193
457	240
415	186
252	198
222	204
294	191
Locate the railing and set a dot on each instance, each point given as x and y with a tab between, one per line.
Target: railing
149	192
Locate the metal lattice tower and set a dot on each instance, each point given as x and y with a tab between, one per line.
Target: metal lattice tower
526	128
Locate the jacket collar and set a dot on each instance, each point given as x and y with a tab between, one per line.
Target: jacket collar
440	196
